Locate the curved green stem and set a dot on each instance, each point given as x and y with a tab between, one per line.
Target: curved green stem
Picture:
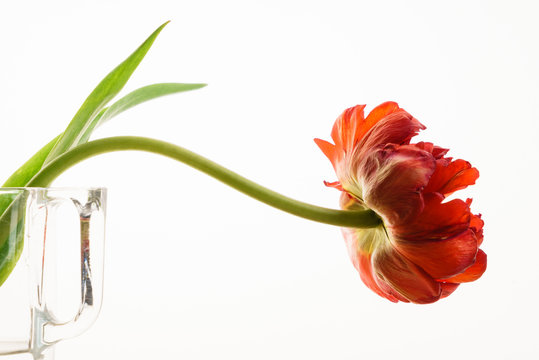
344	218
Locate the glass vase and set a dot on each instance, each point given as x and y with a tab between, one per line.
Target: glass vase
51	266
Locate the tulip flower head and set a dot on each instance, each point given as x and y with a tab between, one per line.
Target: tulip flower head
426	246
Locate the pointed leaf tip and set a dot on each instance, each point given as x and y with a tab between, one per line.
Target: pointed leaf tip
107	89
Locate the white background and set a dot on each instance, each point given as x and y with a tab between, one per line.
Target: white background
195	270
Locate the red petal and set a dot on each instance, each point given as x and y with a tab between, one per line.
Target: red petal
396	128
441	258
476	224
381	111
328	149
365	273
346	127
479	237
436	151
393	178
404	276
387	289
439	152
437	220
474	272
449	178
362	259
447	289
335	185
377	114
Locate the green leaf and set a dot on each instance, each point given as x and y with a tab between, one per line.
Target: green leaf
134	98
11	231
23	174
109	87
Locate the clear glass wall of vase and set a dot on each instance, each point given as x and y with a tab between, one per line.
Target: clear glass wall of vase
51	267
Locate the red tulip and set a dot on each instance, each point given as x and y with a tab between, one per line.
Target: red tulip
426	245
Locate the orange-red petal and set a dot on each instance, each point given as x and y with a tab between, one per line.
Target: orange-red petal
405	277
451	177
474	272
328	149
377	114
346	128
396	128
393	178
361	258
381	111
387	289
438	220
476	224
366	275
436	151
336	184
441	258
447	289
